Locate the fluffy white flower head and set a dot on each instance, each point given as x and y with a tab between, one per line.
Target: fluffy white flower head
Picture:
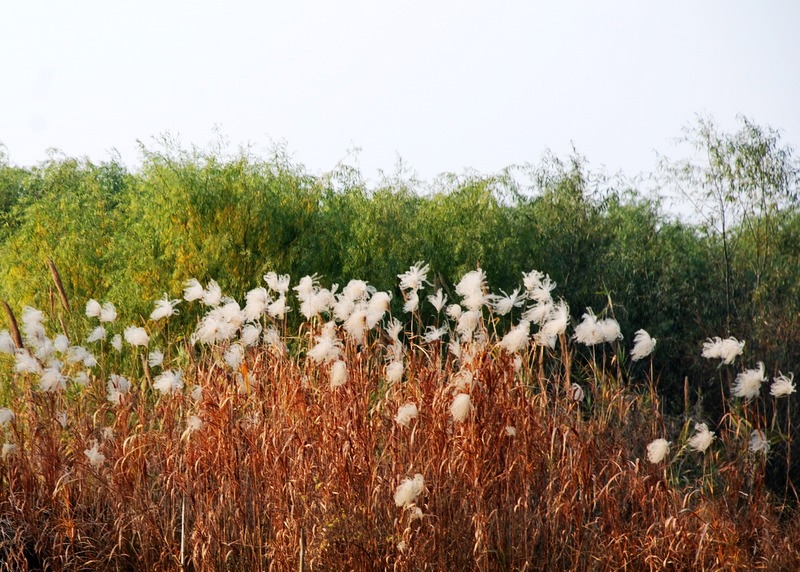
136	336
702	438
406	413
461	407
408	491
726	350
759	442
657	450
748	383
643	345
782	385
164	308
339	374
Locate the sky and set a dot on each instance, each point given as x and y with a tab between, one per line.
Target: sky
444	85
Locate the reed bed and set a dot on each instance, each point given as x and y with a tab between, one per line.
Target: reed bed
479	451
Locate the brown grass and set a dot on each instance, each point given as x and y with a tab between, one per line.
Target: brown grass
295	459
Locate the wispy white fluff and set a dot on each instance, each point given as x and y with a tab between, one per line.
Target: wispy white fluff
438	300
277	283
407	491
406	413
339	374
155	358
657	450
504	304
394	372
357	290
461	407
250	335
471	289
32	327
782	385
393	329
26	363
433	334
356	325
6	343
759	442
192	290
61	343
212	294
609	330
702	438
726	349
165	308
136	336
748	383
517	338
116	342
94	456
99	333
117	388
193	424
234	356
576	392
279	308
8	449
220	324
412	302
52	380
532	280
328	348
6	416
93	309
643	345
80	378
108	313
542	292
168	382
467	323
256	302
415	277
556	324
454	311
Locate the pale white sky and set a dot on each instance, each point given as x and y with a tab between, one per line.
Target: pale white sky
446	85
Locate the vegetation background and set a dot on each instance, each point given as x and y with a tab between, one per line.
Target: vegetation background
734	270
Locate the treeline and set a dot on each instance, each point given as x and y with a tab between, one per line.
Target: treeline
129	236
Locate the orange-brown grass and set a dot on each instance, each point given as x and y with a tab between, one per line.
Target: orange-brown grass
298	475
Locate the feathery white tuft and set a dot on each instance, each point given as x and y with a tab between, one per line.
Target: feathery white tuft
748	383
164	308
782	385
461	407
6	416
108	313
726	350
702	438
759	442
657	450
406	413
155	358
93	309
643	345
407	492
95	457
192	290
168	382
339	374
136	336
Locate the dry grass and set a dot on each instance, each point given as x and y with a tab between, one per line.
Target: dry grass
295	474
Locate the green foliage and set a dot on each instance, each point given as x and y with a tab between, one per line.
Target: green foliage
129	237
